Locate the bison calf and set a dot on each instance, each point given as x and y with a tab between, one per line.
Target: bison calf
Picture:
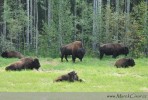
75	49
71	77
24	63
113	49
11	54
124	63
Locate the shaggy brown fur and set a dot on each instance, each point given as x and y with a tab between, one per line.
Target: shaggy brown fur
24	63
113	49
71	77
11	54
72	49
124	63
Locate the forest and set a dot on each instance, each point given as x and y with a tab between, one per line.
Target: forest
33	32
41	27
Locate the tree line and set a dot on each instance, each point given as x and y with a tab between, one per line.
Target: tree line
41	27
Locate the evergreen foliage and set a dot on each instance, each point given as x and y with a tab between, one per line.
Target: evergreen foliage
53	23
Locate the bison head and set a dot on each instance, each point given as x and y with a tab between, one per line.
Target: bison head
4	54
72	76
9	68
125	50
131	62
80	53
36	64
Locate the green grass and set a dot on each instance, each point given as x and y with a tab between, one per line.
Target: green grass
99	76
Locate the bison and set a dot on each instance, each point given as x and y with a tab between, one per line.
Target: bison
24	63
12	54
70	77
75	49
124	63
114	49
80	53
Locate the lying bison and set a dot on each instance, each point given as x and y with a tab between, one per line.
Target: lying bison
124	62
11	54
113	49
24	63
75	49
71	77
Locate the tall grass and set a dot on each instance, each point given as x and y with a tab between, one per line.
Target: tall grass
98	76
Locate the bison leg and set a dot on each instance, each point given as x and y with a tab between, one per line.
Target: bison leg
114	55
125	54
73	58
80	59
101	55
66	57
62	57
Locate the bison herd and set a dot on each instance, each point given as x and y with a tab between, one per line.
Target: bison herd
76	50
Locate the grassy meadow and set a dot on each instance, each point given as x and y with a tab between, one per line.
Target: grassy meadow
99	76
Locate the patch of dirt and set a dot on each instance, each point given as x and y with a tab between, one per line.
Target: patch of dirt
118	74
53	62
136	75
144	89
98	86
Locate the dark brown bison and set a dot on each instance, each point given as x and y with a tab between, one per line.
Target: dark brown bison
114	49
71	77
11	54
24	63
125	62
80	53
75	49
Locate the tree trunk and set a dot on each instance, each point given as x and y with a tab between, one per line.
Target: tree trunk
31	28
4	25
94	25
34	24
75	15
37	33
107	20
49	13
27	31
97	5
99	20
127	21
117	19
60	23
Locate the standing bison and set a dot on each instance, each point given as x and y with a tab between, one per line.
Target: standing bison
114	49
11	54
75	49
125	62
24	63
71	77
80	53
